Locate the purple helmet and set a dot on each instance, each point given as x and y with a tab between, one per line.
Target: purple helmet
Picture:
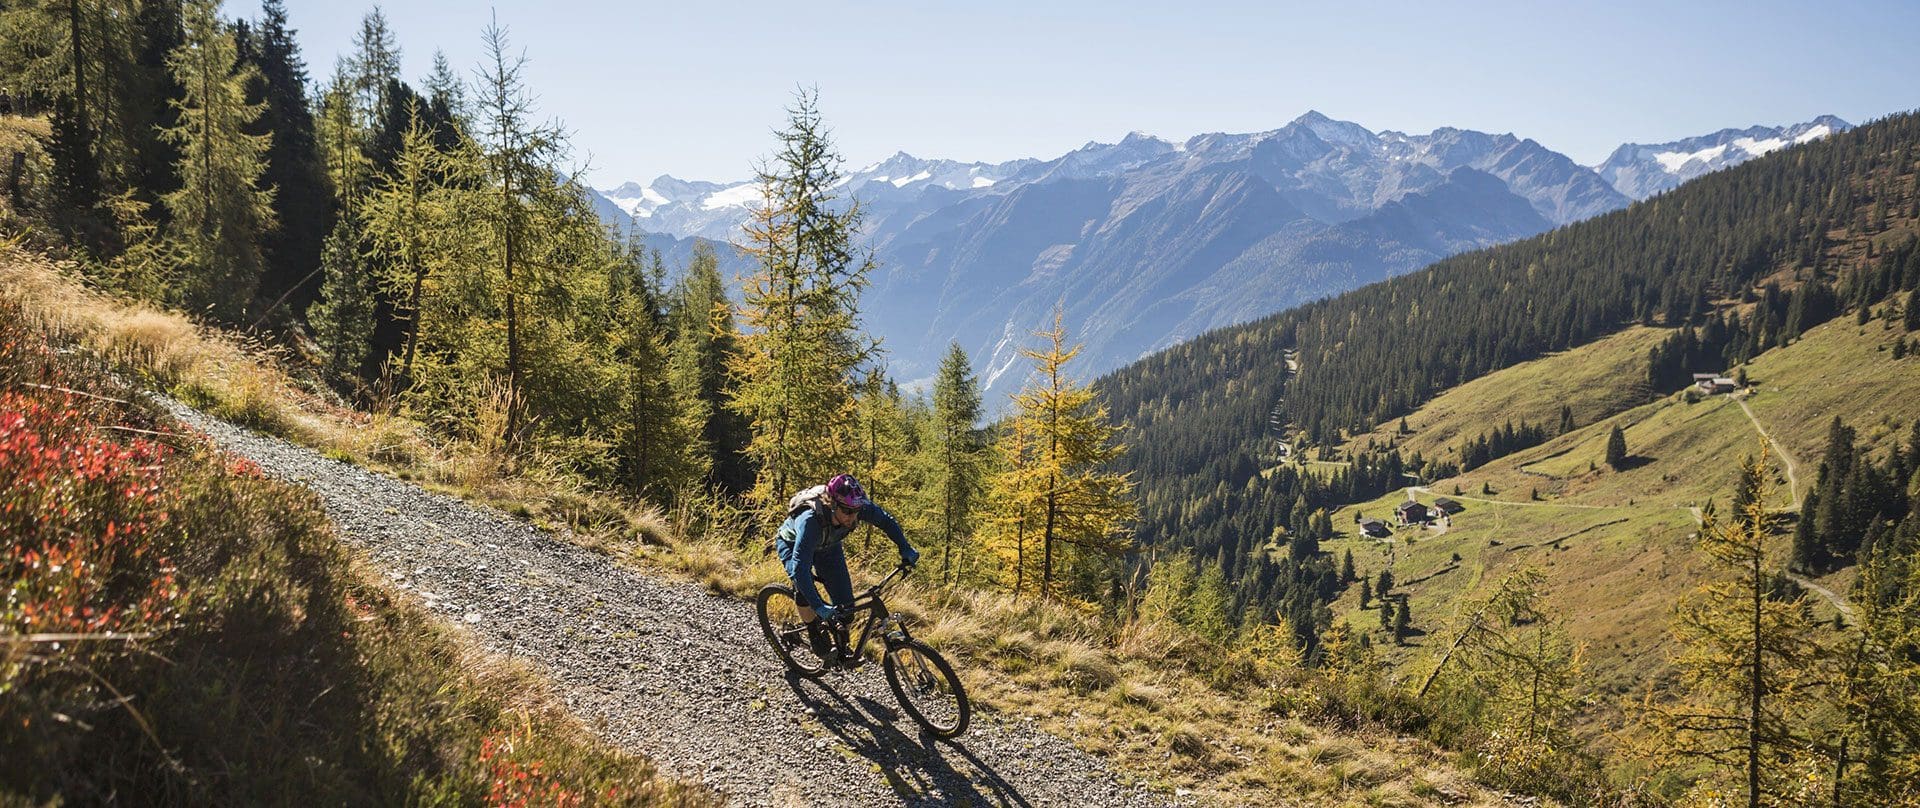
846	492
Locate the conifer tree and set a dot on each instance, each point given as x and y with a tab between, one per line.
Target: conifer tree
958	471
220	213
417	223
1081	507
1366	591
520	158
1346	567
1616	448
657	447
795	371
1386	613
1745	665
1566	419
701	321
1878	754
1402	621
302	201
342	319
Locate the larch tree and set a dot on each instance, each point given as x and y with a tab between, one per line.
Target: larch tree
416	228
796	369
1877	757
220	213
1081	507
1745	665
520	156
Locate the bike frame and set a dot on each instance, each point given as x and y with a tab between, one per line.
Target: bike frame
877	615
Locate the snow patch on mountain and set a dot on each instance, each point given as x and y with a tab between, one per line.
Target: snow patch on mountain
1640	170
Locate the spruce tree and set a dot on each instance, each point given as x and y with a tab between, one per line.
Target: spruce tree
1386	613
220	213
302	201
700	319
959	472
342	319
1566	419
1402	622
1616	449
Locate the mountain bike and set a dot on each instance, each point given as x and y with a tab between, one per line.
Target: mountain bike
922	681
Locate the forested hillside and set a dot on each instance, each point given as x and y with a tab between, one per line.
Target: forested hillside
1241	438
1828	221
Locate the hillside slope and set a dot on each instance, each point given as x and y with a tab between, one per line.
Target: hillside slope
1617	546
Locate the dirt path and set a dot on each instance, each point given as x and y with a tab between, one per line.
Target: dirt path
1793	480
674	673
1425	490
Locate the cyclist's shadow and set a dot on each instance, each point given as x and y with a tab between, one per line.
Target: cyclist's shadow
916	766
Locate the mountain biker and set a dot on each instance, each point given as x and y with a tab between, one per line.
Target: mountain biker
810	548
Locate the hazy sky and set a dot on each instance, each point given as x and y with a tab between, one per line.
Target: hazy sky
694	88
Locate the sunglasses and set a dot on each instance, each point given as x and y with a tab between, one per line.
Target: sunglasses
845	510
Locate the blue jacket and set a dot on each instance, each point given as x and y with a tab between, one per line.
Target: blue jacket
812	532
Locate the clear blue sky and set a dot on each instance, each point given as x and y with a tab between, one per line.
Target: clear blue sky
694	88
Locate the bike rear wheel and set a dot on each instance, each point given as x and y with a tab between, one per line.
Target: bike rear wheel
927	688
785	630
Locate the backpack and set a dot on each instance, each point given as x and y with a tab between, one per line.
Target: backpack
812	499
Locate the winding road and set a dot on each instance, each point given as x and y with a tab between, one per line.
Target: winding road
669	671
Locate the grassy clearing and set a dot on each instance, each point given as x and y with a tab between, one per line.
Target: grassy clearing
267	665
1163	704
1595	380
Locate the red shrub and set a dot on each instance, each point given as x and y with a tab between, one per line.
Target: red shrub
79	521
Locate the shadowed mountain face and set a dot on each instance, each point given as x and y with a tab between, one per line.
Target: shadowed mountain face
1144	243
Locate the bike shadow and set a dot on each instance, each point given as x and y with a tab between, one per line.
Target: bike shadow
917	766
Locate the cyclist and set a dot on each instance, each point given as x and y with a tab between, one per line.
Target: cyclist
810	548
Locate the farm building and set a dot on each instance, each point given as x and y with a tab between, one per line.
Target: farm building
1412	513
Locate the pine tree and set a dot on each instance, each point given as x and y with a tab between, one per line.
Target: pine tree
1566	419
375	62
1402	622
1082	508
1366	592
220	213
655	446
153	105
1386	613
1385	583
1616	448
1346	567
795	371
1878	753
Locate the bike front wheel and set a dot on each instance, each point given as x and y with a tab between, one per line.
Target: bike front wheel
791	637
927	688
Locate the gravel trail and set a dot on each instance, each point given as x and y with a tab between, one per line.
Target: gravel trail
669	671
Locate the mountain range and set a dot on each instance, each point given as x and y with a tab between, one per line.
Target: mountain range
1146	242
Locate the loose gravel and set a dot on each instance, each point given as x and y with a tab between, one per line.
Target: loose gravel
669	671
